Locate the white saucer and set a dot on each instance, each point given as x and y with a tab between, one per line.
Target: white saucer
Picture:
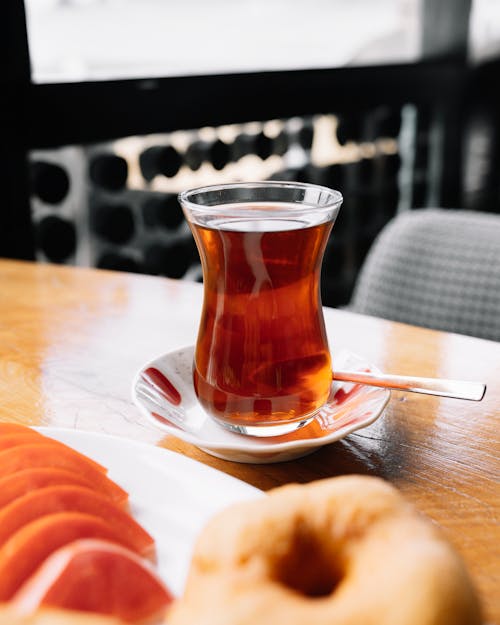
163	391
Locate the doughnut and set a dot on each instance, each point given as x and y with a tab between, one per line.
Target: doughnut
342	551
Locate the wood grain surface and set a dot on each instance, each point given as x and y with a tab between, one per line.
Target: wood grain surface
71	340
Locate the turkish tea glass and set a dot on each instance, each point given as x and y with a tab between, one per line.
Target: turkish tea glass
262	363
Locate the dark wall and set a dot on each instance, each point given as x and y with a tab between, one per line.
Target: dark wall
16	238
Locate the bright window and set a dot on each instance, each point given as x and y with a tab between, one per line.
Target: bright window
80	40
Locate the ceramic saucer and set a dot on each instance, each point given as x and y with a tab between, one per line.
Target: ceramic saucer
163	391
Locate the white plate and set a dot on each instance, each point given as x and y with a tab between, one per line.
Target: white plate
163	391
171	496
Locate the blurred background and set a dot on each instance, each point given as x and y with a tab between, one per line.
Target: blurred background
114	106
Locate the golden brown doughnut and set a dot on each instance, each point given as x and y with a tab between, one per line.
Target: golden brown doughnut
342	551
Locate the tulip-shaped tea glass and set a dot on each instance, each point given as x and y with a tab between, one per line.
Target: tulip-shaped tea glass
262	365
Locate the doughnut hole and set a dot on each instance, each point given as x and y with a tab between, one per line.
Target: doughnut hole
309	566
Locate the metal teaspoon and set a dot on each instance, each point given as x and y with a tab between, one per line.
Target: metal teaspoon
459	389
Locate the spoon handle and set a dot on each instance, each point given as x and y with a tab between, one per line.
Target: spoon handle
458	389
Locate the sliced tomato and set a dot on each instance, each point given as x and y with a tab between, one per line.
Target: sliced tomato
96	576
25	550
25	481
53	499
47	455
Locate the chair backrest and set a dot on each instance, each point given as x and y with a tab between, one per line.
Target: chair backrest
435	268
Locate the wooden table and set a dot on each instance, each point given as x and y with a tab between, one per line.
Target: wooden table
71	340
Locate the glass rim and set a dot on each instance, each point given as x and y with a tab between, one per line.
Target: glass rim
184	196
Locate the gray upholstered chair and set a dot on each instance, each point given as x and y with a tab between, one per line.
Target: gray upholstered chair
435	268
